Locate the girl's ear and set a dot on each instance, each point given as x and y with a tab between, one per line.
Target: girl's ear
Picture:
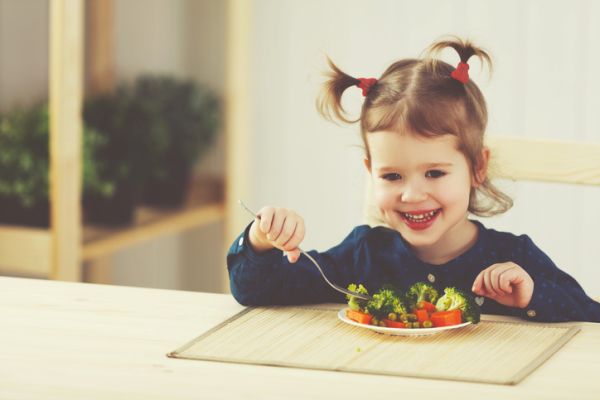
367	164
481	167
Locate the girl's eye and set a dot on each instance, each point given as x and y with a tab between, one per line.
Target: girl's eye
391	176
434	173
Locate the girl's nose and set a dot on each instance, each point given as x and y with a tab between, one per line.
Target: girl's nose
413	193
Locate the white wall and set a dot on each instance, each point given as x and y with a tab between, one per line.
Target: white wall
23	75
545	53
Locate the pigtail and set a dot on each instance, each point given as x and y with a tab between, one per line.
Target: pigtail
463	47
486	200
329	102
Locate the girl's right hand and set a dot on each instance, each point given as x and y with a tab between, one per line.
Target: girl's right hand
280	228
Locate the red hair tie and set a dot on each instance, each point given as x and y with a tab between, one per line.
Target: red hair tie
461	73
365	84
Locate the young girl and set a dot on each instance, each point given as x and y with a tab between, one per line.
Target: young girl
422	124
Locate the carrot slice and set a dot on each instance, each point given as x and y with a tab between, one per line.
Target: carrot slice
446	318
422	315
358	316
393	324
430	307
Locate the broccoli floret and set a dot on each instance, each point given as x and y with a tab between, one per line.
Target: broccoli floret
385	301
354	302
420	291
451	300
472	312
454	298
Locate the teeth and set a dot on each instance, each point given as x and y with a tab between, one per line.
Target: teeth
420	217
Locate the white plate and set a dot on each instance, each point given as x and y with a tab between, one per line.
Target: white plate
399	331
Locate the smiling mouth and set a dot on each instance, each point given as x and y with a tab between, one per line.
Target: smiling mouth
420	217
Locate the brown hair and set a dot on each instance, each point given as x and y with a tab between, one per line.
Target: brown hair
420	96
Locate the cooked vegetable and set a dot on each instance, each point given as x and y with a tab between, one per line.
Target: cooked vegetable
418	292
422	315
385	301
358	316
430	307
456	299
354	302
394	324
446	318
390	308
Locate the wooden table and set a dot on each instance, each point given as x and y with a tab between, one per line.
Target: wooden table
65	341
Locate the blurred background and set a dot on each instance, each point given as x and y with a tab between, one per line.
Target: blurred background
220	97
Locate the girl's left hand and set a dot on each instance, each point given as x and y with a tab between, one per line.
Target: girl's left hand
506	283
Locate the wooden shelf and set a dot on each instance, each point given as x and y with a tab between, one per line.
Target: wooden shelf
203	205
27	251
152	223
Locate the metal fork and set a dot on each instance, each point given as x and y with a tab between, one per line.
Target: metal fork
333	285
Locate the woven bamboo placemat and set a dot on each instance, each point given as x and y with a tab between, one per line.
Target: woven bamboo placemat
314	338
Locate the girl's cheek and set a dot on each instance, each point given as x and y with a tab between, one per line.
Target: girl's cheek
457	194
384	198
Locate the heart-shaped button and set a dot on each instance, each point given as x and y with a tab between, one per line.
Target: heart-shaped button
479	300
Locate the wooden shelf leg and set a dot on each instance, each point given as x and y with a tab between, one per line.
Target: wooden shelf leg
65	73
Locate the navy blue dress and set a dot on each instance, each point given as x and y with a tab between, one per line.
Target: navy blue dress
379	255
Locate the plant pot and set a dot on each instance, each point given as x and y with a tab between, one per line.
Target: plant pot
170	192
12	212
116	210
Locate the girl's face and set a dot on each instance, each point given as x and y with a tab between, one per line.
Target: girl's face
421	186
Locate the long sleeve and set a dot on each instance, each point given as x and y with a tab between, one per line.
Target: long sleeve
269	278
378	256
556	295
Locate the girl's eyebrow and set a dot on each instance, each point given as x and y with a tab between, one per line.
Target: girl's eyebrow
436	165
386	169
422	166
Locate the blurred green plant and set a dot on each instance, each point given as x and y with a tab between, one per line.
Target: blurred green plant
24	157
142	137
191	115
135	135
157	128
189	112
